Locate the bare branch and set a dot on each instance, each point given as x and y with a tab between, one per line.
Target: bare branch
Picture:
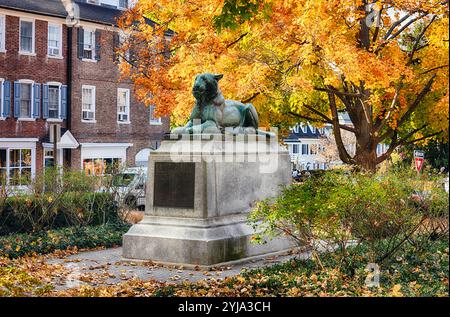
416	44
406	25
394	25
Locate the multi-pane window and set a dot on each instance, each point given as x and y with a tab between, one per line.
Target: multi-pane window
26	90
88	103
295	148
54	40
3	167
53	102
89	44
19	166
101	166
26	36
2	33
48	158
123	105
305	149
153	118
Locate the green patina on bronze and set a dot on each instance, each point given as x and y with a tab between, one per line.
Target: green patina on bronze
213	114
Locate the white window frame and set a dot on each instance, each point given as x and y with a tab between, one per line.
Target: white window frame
93	31
3	32
93	88
19	144
33	36
59	155
127	105
58	119
2	87
307	149
31	82
156	121
60	39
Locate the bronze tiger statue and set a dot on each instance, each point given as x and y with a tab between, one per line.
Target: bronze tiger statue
212	114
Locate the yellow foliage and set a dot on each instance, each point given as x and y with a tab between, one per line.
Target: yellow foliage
276	61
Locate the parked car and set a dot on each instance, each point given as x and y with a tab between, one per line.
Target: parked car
129	186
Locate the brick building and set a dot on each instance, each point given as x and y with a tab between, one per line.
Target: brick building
52	73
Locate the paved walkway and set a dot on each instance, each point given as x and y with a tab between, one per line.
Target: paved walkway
105	267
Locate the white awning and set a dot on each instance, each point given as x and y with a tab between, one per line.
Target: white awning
67	142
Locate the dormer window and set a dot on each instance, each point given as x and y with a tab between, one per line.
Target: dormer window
123	4
304	128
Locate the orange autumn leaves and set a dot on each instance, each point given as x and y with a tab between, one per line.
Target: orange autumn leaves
275	61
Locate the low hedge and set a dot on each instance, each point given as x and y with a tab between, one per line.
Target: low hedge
44	242
21	214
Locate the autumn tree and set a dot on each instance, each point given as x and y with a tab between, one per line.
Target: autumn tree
383	62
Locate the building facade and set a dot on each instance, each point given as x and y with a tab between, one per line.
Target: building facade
54	73
305	147
309	147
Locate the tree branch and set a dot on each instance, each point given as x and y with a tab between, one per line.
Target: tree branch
418	100
406	25
416	44
343	154
338	92
422	138
237	40
433	69
411	108
394	25
256	94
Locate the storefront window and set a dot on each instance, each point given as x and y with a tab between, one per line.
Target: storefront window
101	166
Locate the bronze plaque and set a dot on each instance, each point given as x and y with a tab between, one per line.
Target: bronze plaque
174	185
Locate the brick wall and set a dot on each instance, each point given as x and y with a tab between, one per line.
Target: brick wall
39	68
104	75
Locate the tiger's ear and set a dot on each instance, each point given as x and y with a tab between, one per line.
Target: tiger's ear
218	77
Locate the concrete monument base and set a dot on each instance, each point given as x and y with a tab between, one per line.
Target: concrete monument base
199	193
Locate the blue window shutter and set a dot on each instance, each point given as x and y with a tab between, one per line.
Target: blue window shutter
63	114
16	99
37	101
6	99
80	42
97	45
45	101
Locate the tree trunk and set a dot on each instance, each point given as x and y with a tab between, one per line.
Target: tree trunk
366	160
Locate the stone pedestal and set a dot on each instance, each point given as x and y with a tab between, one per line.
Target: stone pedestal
200	190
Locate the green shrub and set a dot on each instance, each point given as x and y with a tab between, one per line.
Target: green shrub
34	213
43	242
340	210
